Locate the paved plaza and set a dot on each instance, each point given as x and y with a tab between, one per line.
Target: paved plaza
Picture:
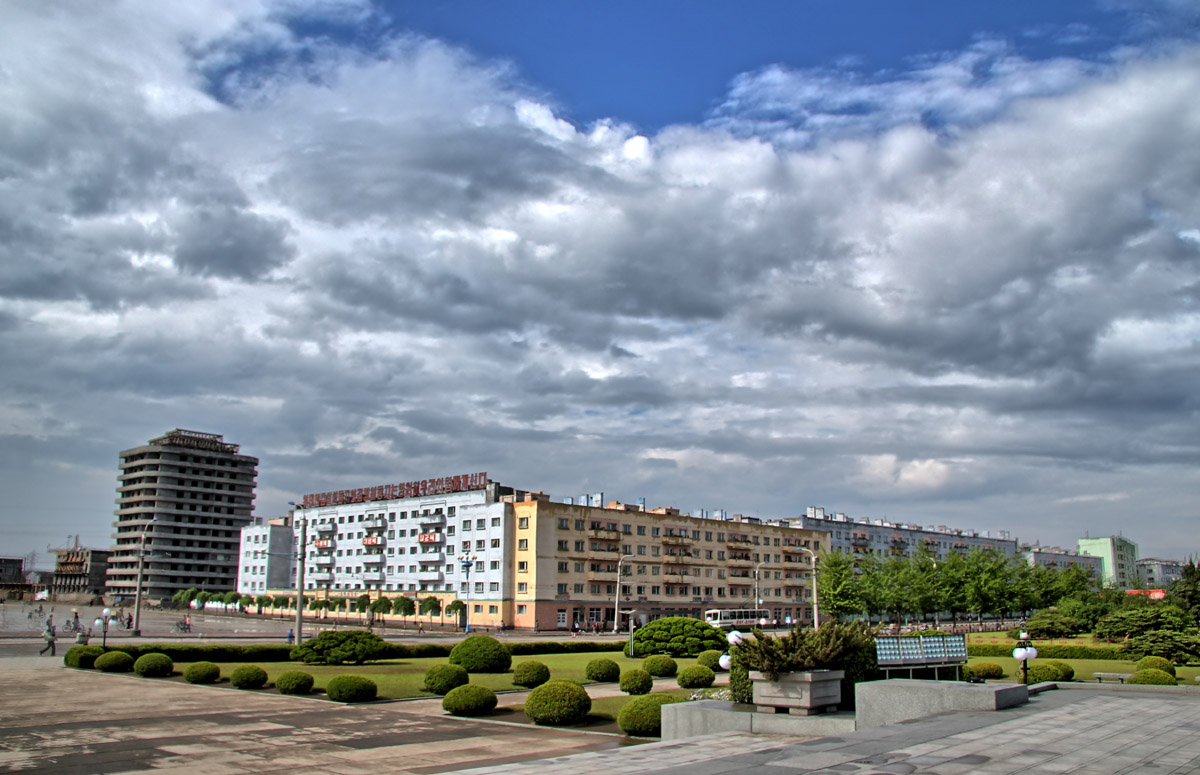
68	722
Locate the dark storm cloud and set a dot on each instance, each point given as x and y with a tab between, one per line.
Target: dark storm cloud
229	243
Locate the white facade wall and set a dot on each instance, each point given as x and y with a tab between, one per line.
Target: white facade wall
880	537
267	559
1049	557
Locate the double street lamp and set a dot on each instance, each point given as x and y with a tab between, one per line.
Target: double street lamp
617	597
137	597
101	624
816	611
468	562
758	595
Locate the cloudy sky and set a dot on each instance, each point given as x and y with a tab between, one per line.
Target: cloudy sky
936	262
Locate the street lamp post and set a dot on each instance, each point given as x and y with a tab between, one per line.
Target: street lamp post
468	561
1023	653
757	594
137	596
102	625
299	556
816	610
617	597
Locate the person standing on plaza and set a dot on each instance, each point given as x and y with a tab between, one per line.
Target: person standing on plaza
291	637
48	636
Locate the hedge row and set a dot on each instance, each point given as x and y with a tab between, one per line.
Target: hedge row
282	652
1051	652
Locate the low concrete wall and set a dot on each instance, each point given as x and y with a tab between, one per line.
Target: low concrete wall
708	717
889	702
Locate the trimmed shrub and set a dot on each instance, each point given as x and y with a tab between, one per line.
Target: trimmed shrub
1152	677
114	662
677	636
294	682
741	688
153	666
339	647
530	674
642	716
557	702
1131	622
1040	674
82	657
710	659
1176	647
202	673
603	669
1049	651
695	677
430	650
660	666
469	700
481	654
1065	671
1156	663
248	677
984	670
440	679
636	681
573	646
351	688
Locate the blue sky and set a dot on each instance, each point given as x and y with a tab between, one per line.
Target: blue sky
937	262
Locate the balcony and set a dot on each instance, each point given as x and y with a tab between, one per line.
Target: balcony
321	577
374	524
373	559
430	538
323	561
605	534
432	519
740	561
430	574
325	528
372	576
677	540
376	541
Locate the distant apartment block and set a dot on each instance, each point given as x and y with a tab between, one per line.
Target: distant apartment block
1118	556
268	556
12	571
80	571
187	495
883	538
1053	557
1158	574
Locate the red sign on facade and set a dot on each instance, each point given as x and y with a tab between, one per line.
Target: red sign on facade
373	541
428	538
384	492
323	543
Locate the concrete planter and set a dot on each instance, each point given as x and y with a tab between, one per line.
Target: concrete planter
800	694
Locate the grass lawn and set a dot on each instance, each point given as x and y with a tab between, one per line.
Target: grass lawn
1003	640
1085	669
609	707
401	678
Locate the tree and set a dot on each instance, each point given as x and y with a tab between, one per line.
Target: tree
282	601
202	597
381	606
404	606
245	601
184	597
837	587
431	606
362	603
230	598
456	609
263	601
1185	590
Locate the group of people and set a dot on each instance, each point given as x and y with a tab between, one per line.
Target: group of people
50	632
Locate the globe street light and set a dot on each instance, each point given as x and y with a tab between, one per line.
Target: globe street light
468	561
617	597
137	597
102	625
301	559
1023	653
816	611
757	594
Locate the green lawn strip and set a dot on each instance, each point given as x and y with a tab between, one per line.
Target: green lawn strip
1002	639
609	707
1085	669
399	679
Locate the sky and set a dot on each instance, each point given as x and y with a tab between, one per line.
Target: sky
931	262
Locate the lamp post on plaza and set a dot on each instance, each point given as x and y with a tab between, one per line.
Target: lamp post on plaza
299	556
816	610
137	596
617	597
101	624
468	561
1024	652
757	594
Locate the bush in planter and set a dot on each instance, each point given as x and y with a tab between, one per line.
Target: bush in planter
530	674
248	677
557	702
1065	671
1153	677
481	654
440	679
469	700
849	647
660	666
984	670
351	688
339	647
294	682
642	716
153	666
710	659
114	662
677	636
741	688
636	681
603	669
1156	663
1040	674
202	673
82	657
695	677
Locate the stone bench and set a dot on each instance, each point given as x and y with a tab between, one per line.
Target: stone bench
1100	677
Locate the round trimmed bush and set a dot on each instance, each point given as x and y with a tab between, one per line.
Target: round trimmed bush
530	674
1065	671
1156	663
642	716
1040	674
1152	677
710	659
636	681
677	636
695	677
114	662
481	654
603	669
82	657
557	702
248	677
153	665
440	679
985	670
660	666
469	700
202	673
351	688
294	682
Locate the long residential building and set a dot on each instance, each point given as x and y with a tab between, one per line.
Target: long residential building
516	559
1118	556
182	501
1037	555
880	537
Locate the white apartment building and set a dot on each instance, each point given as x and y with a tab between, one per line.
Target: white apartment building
882	538
267	557
1054	557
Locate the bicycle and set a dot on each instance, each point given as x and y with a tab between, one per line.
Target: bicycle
181	626
72	626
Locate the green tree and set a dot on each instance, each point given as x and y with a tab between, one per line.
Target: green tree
230	598
1185	590
404	606
245	601
431	606
838	592
263	601
202	597
455	608
184	597
282	601
381	606
362	603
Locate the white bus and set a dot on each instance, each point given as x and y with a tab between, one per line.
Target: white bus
729	618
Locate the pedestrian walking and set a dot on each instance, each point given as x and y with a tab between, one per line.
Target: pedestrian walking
291	637
420	628
48	636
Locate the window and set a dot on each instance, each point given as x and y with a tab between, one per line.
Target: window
466	525
579	589
641	550
563	524
522	587
641	530
495	521
579	567
656	531
480	524
523	543
521	608
478	586
579	524
562	546
492	609
562	589
450	530
495	543
562	567
579	546
493	586
494	565
595	589
656	551
523	522
522	567
479	543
